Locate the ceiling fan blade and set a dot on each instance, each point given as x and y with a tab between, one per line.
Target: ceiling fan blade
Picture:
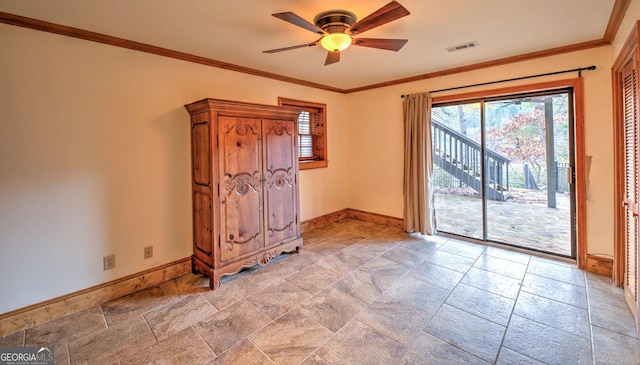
332	57
385	14
299	21
388	44
291	47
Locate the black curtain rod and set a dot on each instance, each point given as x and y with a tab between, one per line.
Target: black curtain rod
579	70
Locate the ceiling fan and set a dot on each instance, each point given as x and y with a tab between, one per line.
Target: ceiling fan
338	28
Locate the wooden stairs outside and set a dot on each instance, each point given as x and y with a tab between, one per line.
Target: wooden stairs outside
461	157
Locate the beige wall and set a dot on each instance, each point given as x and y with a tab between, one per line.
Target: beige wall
95	159
94	154
376	140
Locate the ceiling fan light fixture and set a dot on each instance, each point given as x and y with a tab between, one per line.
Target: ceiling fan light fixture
338	26
336	42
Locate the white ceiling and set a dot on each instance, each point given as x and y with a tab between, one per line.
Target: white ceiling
237	31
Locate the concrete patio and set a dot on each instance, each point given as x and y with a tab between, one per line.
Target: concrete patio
525	222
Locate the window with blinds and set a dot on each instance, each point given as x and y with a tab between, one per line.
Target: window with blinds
309	135
312	140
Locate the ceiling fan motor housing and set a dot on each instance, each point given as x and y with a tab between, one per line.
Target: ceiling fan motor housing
335	21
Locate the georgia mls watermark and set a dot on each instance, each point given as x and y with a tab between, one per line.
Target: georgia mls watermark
26	356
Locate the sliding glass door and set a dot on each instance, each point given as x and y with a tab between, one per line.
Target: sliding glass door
457	162
503	170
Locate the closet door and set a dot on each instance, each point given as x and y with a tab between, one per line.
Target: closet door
630	198
280	180
240	160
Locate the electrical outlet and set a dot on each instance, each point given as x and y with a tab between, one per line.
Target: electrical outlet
109	262
148	252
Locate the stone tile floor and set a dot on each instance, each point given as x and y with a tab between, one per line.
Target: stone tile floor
361	293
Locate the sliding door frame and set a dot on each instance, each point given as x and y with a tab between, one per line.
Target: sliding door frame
579	140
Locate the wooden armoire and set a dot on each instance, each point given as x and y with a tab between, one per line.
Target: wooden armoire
244	161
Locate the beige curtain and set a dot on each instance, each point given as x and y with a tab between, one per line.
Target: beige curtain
419	209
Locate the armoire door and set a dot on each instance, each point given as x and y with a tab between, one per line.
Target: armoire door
279	180
630	176
240	160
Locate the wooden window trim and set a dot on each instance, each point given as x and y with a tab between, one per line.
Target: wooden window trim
324	160
316	164
581	161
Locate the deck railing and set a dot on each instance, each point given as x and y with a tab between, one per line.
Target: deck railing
461	157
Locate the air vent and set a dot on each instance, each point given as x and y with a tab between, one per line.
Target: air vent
460	47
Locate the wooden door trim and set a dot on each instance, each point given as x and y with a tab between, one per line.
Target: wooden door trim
579	135
628	50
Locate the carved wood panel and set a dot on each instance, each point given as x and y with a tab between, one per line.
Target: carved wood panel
279	185
240	187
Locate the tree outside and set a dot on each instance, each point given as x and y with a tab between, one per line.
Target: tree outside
515	128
